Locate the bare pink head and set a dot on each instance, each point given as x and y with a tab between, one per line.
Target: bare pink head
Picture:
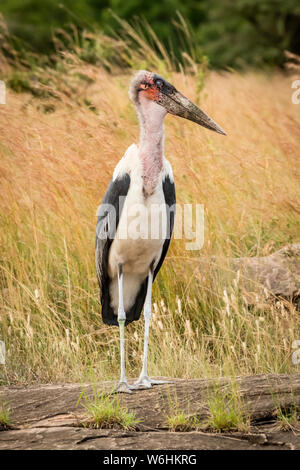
147	86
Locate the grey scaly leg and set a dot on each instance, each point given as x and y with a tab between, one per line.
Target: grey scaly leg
144	381
123	384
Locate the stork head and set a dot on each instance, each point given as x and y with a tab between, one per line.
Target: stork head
154	88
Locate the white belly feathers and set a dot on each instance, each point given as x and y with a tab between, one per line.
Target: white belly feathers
141	232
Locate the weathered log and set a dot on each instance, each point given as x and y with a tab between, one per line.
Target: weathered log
46	416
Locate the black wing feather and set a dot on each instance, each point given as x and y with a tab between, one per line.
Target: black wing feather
107	223
170	198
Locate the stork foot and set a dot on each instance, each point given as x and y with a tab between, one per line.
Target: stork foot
146	382
124	387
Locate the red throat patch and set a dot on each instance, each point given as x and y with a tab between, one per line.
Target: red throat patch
151	93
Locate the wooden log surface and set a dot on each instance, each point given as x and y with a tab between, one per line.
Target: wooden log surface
46	416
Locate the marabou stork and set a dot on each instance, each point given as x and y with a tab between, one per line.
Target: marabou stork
128	260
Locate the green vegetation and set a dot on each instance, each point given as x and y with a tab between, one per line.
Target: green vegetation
178	418
5	419
227	411
104	411
225	408
231	33
287	418
181	422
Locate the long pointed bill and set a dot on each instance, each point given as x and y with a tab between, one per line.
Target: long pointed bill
175	103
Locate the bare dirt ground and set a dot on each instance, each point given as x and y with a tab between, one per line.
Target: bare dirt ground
46	416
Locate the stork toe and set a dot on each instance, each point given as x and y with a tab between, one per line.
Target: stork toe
147	382
124	387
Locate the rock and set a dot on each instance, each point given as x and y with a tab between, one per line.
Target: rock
278	273
259	278
46	416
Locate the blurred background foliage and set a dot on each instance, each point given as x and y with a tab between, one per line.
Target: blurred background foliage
231	33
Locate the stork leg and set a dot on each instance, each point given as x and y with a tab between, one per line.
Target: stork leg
123	385
144	381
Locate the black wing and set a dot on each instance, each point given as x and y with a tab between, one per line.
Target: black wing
107	223
170	198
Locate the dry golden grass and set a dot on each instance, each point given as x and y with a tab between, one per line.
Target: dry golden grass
55	167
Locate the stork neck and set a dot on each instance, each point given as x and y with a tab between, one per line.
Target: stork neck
151	148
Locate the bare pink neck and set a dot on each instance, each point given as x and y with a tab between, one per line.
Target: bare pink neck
151	148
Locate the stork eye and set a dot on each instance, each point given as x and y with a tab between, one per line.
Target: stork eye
144	86
159	83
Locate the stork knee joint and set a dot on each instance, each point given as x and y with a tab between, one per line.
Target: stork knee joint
121	316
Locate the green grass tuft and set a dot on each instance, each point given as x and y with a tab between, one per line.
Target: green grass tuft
104	411
287	418
178	419
227	412
5	419
181	421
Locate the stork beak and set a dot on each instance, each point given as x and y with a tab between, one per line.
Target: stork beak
175	103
